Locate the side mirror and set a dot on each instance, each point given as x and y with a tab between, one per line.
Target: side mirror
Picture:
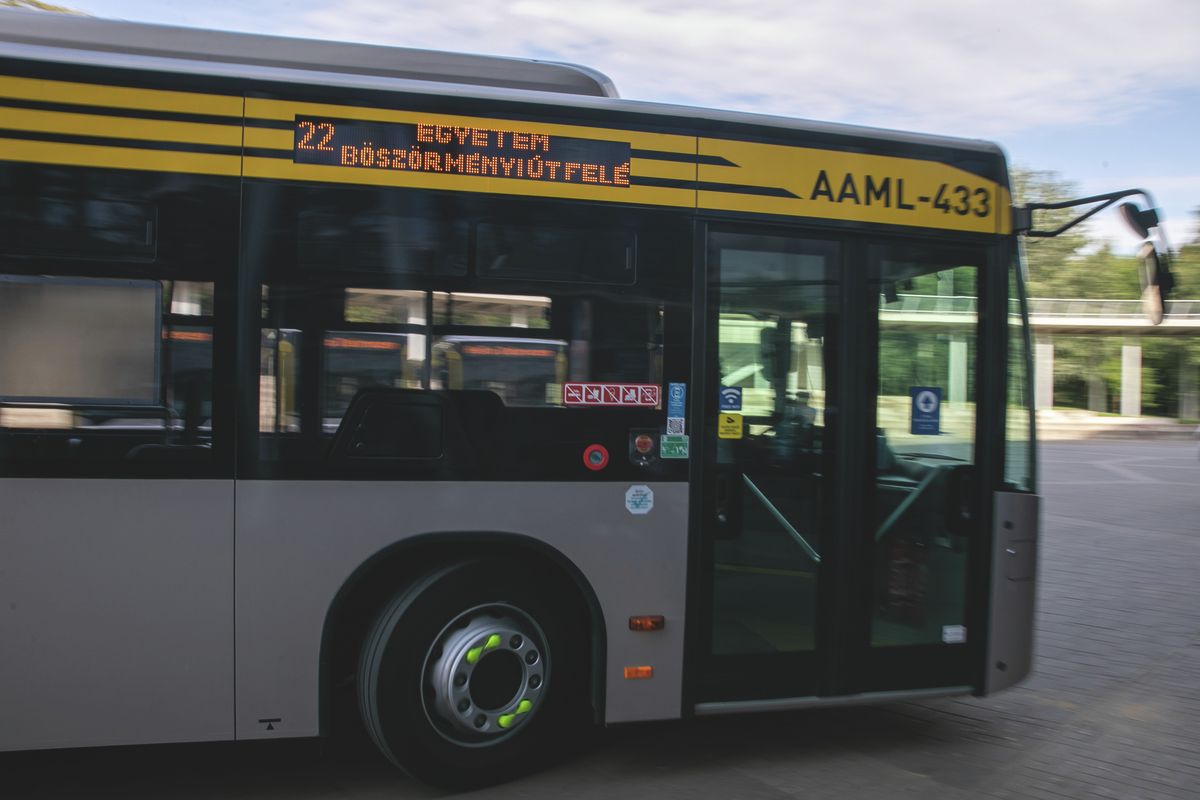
1139	221
1156	281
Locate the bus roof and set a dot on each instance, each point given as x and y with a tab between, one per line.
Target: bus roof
75	32
66	38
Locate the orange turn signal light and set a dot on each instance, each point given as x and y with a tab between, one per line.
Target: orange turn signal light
638	673
647	622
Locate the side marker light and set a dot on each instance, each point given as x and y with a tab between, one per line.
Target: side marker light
647	622
638	673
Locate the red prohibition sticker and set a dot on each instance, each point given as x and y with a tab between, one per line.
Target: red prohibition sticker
595	457
611	394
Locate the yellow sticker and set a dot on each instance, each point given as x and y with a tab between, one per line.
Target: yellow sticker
729	426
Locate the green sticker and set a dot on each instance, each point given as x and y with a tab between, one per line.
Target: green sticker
673	446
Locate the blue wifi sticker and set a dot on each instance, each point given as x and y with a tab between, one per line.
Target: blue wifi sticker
731	398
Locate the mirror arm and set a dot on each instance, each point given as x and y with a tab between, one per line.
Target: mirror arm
1023	215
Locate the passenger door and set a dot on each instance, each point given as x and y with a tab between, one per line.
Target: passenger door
838	500
768	464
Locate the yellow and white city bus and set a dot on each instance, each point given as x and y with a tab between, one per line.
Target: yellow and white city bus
461	391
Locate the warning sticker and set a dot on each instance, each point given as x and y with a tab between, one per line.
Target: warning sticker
639	499
954	634
612	394
729	426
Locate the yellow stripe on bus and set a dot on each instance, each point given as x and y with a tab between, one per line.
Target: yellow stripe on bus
122	127
90	94
86	155
673	170
270	139
285	169
830	184
257	108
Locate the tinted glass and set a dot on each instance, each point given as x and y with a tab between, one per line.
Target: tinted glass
924	445
776	304
1018	429
582	255
83	227
109	334
524	320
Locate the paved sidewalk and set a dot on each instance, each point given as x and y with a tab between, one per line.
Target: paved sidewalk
1071	424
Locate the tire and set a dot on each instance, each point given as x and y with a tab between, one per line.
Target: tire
473	674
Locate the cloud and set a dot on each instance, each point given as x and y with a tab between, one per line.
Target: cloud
969	68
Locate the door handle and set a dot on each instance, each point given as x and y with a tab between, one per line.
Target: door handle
727	504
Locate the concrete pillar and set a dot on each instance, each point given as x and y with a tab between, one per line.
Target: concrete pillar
958	369
1097	394
1044	372
809	373
1131	378
416	316
1189	396
185	299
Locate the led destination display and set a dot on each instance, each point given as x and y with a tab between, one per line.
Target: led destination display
490	152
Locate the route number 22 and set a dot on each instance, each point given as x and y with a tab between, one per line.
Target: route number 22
310	130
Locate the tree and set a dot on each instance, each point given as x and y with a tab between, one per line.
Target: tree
1185	265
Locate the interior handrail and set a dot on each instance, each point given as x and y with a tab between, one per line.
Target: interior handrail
782	520
908	502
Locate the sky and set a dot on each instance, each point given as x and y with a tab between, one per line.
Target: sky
1104	92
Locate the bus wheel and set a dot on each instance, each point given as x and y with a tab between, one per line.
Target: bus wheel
472	675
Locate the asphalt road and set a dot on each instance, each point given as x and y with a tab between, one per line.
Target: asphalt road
1113	709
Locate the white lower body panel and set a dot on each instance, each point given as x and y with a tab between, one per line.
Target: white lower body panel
116	612
298	542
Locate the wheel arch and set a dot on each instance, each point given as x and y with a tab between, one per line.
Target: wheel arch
377	578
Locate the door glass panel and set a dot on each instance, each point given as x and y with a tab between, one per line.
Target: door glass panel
775	300
924	446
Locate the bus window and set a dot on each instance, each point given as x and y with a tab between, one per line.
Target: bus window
378	234
491	310
355	360
1019	464
132	378
925	423
545	252
523	372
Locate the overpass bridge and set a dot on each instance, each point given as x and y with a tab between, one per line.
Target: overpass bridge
1050	317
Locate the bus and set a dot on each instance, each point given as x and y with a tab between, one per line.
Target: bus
460	395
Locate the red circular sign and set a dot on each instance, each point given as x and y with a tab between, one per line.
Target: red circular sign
643	444
595	457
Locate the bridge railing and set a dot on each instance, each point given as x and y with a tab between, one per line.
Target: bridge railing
1076	307
1042	307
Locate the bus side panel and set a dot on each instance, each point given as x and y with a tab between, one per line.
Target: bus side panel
1014	585
298	541
116	612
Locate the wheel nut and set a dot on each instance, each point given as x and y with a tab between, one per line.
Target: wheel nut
460	680
535	681
463	705
531	657
480	721
515	642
